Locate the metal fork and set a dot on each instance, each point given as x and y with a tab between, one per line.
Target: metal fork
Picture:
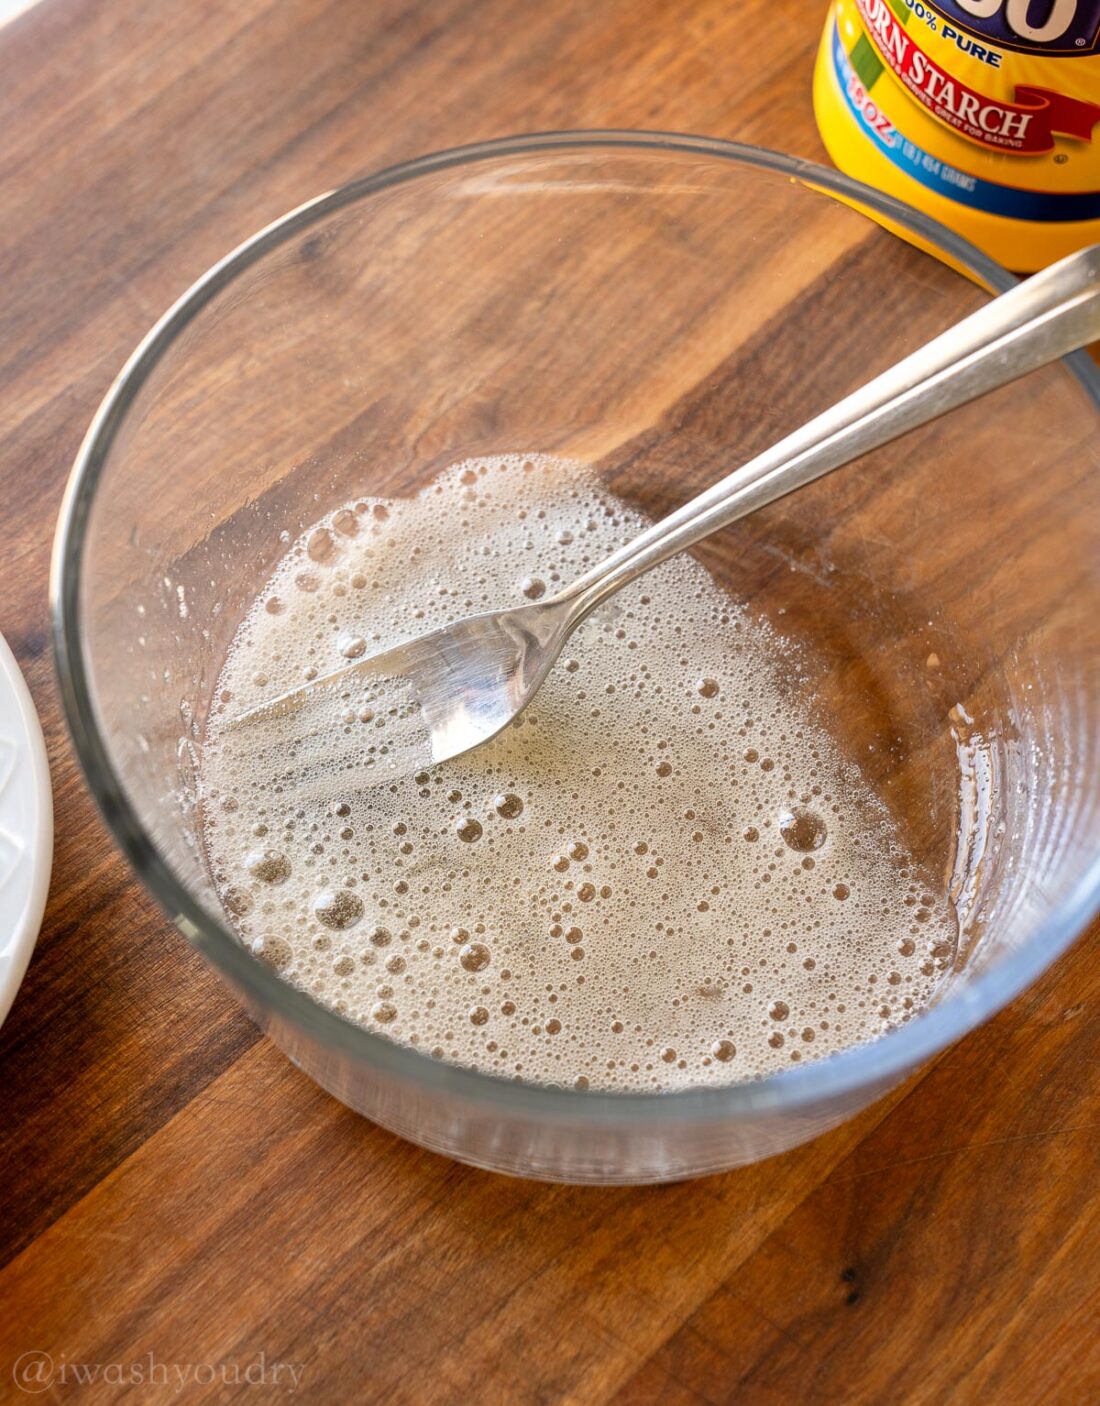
465	682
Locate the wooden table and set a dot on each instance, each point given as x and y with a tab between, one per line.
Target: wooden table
179	1204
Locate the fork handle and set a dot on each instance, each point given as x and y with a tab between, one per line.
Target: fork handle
1041	319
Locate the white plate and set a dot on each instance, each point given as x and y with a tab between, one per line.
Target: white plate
26	827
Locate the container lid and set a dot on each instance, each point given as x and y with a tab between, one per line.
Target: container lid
26	827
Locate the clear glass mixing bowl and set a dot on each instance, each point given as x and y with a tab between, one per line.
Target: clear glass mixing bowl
661	307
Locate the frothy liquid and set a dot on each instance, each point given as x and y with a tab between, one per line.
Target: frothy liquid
662	875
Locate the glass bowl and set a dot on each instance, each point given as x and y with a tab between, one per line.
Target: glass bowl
661	307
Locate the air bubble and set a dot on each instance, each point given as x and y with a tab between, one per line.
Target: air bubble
802	829
274	951
320	545
238	902
340	909
270	866
475	956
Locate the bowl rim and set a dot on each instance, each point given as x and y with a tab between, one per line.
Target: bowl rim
873	1064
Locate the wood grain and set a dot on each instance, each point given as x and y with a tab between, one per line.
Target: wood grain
171	1186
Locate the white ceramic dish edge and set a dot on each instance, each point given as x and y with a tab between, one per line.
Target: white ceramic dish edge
26	827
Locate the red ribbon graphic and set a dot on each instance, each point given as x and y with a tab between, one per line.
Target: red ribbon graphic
1026	125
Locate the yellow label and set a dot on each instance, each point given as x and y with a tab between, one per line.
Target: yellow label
983	113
